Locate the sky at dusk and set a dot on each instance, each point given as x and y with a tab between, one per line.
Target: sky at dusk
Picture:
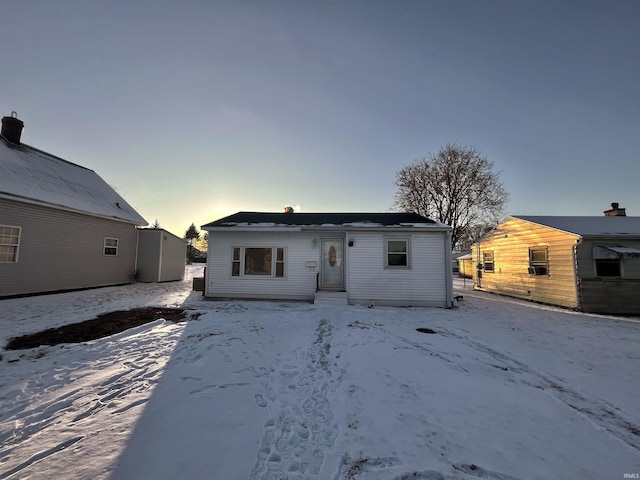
194	110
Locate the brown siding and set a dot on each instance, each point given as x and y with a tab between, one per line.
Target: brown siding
62	250
609	295
510	242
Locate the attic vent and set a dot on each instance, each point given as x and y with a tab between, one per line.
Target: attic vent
12	128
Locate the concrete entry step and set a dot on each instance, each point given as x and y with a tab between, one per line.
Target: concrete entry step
330	297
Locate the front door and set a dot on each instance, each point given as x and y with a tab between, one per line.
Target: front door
332	276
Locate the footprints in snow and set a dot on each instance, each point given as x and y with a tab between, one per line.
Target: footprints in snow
301	426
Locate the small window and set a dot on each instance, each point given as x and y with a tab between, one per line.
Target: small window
111	246
397	252
487	261
539	261
609	267
9	243
279	262
235	262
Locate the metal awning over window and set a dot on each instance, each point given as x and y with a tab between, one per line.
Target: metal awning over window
602	252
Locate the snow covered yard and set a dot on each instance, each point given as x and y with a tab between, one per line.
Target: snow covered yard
257	390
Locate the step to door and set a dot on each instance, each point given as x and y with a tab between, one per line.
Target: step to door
329	297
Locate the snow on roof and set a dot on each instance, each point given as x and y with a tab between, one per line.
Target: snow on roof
29	174
588	226
329	220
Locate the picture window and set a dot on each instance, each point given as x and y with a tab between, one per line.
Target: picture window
259	261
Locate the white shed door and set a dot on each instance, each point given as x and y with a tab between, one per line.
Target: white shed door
332	275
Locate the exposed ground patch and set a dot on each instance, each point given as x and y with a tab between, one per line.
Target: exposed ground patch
102	326
426	330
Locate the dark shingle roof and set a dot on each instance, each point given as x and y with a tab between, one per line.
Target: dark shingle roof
318	219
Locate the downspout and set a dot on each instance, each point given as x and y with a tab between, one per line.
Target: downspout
448	270
577	281
135	261
160	256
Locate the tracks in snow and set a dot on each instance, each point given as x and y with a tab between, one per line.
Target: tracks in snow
47	413
598	411
300	426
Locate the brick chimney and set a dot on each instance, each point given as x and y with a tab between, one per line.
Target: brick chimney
12	128
615	211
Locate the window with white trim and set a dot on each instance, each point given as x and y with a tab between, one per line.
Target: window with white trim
487	261
9	243
397	251
110	247
260	261
539	260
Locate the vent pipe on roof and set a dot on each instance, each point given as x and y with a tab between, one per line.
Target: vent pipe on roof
12	128
615	211
288	209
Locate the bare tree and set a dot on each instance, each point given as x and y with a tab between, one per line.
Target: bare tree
457	186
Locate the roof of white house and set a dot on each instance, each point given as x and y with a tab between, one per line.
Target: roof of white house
31	175
589	226
257	220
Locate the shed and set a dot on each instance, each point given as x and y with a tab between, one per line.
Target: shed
161	256
591	264
62	227
396	259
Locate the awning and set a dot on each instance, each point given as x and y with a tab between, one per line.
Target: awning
604	252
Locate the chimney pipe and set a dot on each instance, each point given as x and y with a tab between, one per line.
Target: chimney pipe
12	128
615	211
288	209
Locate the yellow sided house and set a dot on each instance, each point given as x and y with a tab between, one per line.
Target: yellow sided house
591	264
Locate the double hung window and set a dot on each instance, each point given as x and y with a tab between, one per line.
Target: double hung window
397	253
539	260
9	243
487	261
110	247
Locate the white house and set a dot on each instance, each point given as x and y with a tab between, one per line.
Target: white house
397	259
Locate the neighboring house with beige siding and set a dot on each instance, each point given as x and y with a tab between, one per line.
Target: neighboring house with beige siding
397	259
590	264
61	226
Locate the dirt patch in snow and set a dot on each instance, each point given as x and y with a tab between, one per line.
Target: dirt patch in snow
102	326
426	330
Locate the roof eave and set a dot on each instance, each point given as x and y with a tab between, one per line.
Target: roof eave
140	223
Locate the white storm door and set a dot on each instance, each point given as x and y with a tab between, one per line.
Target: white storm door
332	264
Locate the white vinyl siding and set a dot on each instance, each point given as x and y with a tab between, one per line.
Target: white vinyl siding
226	265
366	274
424	283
